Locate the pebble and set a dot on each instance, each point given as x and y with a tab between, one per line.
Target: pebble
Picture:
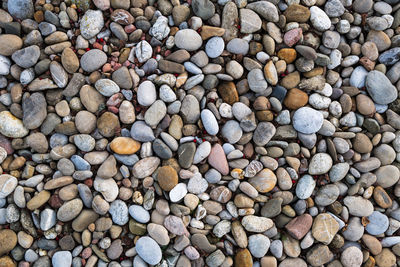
380	88
91	24
26	57
320	163
305	187
209	121
307	120
216	133
62	259
214	47
378	223
256	224
324	228
93	60
119	212
351	256
21	9
319	19
188	39
358	206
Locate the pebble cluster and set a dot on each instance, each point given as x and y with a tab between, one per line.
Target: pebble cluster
199	133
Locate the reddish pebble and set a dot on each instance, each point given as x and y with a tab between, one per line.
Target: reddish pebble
293	36
23	264
55	201
299	226
129	28
86	253
115	99
217	159
97	46
113	109
107	67
89	182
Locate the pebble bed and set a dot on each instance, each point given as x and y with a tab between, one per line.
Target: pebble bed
199	133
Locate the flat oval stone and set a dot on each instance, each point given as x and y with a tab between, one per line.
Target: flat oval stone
305	187
380	88
210	122
148	250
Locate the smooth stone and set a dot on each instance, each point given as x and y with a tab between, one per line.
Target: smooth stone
358	206
91	23
319	19
35	110
378	223
62	259
320	163
21	9
119	212
214	47
238	46
139	213
266	9
93	60
11	126
188	39
305	187
26	57
106	87
380	88
141	132
209	122
307	120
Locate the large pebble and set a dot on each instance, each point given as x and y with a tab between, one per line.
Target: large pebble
91	23
11	126
307	120
188	39
380	88
210	122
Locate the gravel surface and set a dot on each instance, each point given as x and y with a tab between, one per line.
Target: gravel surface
199	133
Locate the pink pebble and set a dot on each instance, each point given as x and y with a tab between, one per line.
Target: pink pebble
129	28
86	253
112	109
293	36
115	99
107	67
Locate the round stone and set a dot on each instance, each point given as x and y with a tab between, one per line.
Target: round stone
378	223
305	187
258	245
307	120
188	39
320	163
167	178
214	47
93	60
